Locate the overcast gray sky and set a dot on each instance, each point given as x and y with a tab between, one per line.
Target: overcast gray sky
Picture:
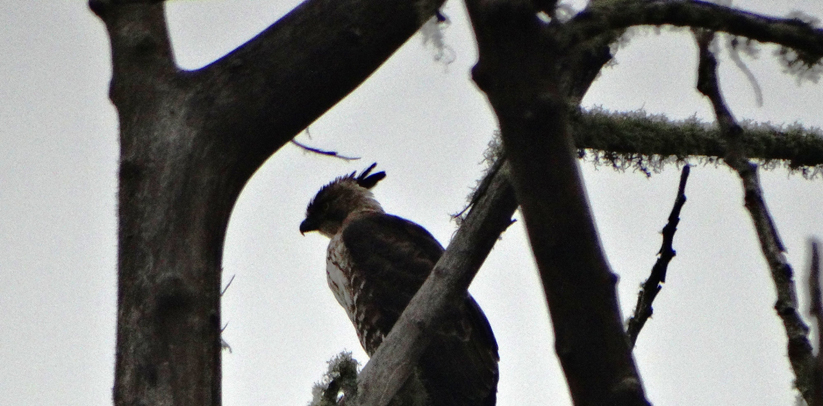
714	339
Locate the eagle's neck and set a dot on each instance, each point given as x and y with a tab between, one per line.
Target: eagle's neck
349	200
365	201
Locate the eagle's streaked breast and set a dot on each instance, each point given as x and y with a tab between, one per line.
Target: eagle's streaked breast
349	288
337	274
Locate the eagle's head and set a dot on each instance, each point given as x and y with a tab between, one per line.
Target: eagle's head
343	196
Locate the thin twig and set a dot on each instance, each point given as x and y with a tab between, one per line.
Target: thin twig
643	310
799	346
817	312
734	55
227	285
324	152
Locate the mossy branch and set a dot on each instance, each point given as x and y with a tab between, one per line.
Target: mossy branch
641	140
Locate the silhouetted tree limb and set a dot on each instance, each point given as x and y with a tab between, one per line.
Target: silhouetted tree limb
799	347
332	154
645	298
816	310
604	16
521	72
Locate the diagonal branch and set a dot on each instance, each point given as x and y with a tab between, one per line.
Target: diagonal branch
319	151
275	85
799	347
391	365
605	16
643	309
249	103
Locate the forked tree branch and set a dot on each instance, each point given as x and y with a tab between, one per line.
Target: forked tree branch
645	298
799	347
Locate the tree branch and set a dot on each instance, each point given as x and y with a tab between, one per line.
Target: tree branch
272	87
799	347
142	62
816	310
522	73
643	309
620	14
636	135
394	361
332	154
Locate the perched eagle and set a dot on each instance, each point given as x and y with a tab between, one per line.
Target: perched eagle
375	263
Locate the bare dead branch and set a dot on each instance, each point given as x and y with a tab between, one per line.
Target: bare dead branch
605	16
323	152
394	361
643	310
799	347
816	310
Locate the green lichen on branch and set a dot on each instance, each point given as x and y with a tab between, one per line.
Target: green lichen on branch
493	159
647	142
338	387
339	379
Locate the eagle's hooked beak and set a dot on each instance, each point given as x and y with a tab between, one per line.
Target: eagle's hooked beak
307	226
